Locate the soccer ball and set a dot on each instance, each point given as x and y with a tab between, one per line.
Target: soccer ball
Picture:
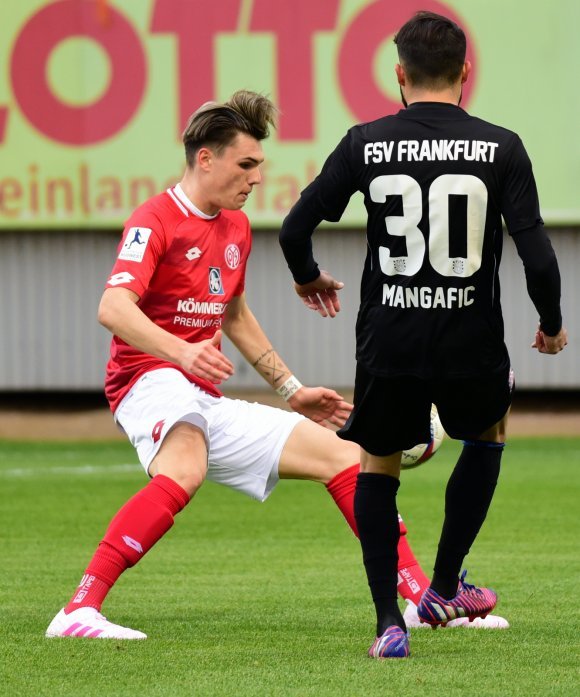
424	451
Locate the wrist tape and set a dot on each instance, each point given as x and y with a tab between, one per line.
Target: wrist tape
290	387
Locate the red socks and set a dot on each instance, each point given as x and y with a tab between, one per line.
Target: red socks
341	488
412	581
138	525
148	515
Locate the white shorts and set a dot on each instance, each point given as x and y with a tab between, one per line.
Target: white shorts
244	441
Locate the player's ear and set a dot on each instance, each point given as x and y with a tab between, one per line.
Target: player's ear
204	158
400	72
465	71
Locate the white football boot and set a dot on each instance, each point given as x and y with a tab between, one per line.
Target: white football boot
490	622
89	623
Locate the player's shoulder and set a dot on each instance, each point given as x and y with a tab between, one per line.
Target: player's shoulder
500	132
163	205
161	210
362	130
388	126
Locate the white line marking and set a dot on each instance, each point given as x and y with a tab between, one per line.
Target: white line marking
78	470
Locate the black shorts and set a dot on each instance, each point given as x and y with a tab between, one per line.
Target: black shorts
392	414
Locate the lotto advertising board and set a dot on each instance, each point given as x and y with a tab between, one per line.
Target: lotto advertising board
95	93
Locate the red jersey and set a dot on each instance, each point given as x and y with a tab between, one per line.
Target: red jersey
185	267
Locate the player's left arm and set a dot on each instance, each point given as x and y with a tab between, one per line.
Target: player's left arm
320	404
543	283
521	212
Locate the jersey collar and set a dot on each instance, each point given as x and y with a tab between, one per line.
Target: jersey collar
186	205
435	108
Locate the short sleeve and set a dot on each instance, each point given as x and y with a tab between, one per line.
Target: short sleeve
142	245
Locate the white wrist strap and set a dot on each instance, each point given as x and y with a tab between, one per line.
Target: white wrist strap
290	387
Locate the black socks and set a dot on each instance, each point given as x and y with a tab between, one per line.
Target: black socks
375	511
467	498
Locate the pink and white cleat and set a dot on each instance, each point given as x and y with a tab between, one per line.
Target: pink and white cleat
88	623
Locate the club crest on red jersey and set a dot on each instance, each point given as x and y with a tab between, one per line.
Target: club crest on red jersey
215	281
232	256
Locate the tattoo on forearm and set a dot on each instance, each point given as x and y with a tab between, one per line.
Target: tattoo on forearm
270	365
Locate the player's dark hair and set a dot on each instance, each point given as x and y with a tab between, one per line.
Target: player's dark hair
431	49
216	125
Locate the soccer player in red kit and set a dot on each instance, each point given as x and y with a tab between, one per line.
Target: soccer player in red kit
177	283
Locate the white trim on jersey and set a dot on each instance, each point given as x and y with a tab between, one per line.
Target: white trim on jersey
177	203
189	205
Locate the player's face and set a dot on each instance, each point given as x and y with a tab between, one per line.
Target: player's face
234	172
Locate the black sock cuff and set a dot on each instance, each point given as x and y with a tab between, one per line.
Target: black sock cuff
382	482
492	445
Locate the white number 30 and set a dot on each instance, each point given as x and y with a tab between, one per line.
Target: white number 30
406	225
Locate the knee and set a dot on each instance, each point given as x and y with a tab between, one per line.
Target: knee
182	457
188	479
189	474
338	460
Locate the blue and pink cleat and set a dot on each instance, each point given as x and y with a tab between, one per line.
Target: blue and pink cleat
393	643
470	602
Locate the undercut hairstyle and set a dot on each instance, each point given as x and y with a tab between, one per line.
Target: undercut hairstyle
216	125
431	50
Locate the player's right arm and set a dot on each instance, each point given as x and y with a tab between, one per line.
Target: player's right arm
120	314
324	199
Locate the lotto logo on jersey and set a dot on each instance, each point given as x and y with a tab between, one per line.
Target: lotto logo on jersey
119	278
232	256
215	281
135	244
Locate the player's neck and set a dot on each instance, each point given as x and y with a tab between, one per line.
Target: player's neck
447	96
434	97
193	193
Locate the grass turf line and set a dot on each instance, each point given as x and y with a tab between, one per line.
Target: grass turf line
271	599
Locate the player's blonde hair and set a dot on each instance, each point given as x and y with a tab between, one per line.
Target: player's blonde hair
216	125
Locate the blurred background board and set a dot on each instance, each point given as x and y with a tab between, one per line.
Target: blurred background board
94	95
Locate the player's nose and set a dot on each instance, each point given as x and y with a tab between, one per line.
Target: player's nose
255	177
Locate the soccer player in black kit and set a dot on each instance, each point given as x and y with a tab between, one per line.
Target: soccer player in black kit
436	183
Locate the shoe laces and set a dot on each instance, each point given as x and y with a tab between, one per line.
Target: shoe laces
467	587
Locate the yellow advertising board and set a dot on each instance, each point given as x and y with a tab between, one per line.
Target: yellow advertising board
95	93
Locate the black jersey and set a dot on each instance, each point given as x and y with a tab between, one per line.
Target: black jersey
436	183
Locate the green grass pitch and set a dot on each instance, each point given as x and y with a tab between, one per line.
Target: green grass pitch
244	598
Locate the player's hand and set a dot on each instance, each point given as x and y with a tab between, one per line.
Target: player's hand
325	407
205	360
320	295
550	344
